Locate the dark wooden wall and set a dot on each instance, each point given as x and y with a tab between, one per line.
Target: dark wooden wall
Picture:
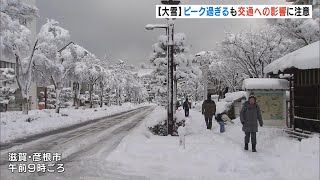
307	99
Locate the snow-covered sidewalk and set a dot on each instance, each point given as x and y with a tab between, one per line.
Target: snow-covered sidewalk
212	155
15	125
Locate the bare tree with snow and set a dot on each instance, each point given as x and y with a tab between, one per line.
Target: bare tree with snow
252	50
301	31
48	62
203	60
16	42
77	55
229	75
121	72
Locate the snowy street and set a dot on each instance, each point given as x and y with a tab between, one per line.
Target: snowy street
97	137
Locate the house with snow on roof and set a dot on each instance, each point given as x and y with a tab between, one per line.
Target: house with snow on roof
303	66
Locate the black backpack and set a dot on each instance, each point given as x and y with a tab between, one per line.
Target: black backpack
218	117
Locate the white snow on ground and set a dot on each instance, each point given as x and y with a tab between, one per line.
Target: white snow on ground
304	58
265	83
14	124
212	155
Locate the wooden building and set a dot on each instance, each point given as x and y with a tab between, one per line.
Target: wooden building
304	67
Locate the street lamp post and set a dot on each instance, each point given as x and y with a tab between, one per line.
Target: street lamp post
168	29
170	75
170	48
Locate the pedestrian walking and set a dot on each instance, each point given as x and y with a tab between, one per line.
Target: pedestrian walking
186	107
222	119
208	110
250	115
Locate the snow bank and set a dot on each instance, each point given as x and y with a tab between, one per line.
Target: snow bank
212	155
231	97
158	116
303	58
15	125
265	83
223	106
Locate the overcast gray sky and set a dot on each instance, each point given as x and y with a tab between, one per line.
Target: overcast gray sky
117	27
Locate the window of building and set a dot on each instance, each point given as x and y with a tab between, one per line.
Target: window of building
4	64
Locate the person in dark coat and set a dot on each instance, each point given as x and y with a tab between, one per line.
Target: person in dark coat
250	115
208	110
177	105
186	107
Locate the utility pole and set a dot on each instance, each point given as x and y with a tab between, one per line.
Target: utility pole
170	92
170	65
170	76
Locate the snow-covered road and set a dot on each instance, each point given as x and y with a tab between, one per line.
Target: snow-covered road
81	148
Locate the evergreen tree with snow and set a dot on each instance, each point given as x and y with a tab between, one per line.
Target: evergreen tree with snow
183	65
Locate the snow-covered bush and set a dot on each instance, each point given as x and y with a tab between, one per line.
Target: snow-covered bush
51	97
66	97
6	79
84	98
160	129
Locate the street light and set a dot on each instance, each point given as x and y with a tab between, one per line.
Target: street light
154	26
170	44
169	34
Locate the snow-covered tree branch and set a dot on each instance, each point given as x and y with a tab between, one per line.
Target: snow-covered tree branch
16	42
252	50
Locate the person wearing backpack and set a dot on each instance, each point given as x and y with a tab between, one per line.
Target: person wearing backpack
208	110
250	115
222	118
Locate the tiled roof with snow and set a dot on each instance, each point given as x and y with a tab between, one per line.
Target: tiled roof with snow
265	83
303	58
